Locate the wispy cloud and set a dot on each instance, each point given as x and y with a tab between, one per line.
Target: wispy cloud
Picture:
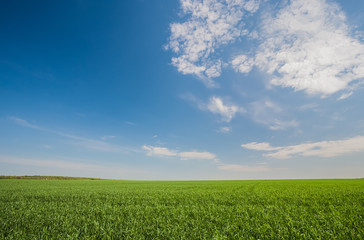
72	165
345	95
210	24
196	155
243	168
271	115
24	123
224	129
308	46
321	149
264	146
76	140
159	151
310	106
49	163
218	106
165	152
225	110
104	138
264	112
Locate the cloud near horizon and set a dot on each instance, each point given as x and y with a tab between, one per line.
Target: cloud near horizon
243	168
75	140
195	155
73	165
165	152
325	149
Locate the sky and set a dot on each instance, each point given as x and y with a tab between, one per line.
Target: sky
182	90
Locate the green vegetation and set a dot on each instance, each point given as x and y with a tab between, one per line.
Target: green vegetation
281	209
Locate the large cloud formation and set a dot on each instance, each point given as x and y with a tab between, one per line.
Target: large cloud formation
309	47
306	45
211	24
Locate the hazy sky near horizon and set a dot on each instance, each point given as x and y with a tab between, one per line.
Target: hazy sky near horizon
189	89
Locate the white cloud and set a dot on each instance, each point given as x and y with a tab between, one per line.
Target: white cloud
345	95
210	24
165	152
277	124
226	111
216	105
243	168
242	63
264	112
196	155
159	151
308	46
320	149
264	146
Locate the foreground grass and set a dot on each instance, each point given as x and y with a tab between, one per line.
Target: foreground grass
287	209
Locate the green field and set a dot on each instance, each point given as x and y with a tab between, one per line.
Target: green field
89	209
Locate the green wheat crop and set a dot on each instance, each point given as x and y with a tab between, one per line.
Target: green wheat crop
284	209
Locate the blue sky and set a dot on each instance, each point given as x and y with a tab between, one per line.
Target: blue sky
235	89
